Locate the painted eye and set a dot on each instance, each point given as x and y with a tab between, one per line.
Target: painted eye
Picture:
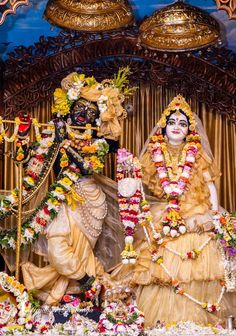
183	124
91	113
79	107
171	122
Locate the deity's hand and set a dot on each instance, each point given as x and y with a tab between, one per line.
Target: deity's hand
60	129
200	228
107	281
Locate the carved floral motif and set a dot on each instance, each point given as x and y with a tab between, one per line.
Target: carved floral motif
32	73
229	6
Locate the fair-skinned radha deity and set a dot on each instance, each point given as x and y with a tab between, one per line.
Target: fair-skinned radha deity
179	273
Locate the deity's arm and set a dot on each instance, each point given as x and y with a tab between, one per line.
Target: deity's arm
210	174
213	196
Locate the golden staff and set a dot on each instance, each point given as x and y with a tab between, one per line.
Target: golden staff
19	219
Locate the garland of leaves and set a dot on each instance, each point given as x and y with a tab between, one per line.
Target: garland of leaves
130	320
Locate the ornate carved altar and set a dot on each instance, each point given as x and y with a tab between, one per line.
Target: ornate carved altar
32	73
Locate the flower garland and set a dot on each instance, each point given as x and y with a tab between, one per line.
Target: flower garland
94	291
129	207
14	136
225	230
193	254
35	169
10	284
173	224
60	191
47	210
225	227
211	308
119	318
88	152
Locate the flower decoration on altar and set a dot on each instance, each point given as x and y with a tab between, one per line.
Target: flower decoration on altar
94	291
119	318
23	313
188	328
108	94
226	232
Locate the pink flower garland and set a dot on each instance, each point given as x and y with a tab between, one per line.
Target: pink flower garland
173	223
129	207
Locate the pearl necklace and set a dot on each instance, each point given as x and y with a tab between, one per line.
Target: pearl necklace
89	205
94	231
88	197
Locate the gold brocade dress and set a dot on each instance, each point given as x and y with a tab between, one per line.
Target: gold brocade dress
201	277
71	238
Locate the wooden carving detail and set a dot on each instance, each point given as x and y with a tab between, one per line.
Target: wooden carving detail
8	7
229	6
32	73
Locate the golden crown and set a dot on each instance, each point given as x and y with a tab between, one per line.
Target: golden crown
178	104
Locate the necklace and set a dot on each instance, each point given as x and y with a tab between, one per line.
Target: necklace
93	230
91	198
90	205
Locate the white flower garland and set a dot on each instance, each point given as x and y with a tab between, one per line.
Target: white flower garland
193	254
35	167
211	308
14	136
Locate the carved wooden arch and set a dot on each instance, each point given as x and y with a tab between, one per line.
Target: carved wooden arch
31	74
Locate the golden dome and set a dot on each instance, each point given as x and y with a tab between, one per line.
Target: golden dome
89	15
179	27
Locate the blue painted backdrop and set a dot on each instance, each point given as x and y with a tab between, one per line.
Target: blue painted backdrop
28	24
